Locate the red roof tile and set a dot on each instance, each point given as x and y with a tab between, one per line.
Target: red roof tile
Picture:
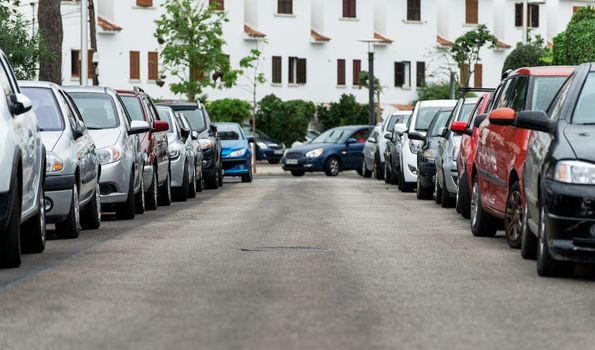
253	33
382	38
443	42
318	37
105	25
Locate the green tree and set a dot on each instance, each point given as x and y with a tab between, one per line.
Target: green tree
434	91
229	110
345	112
576	45
286	121
526	55
467	47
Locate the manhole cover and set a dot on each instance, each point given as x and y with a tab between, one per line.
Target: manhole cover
286	249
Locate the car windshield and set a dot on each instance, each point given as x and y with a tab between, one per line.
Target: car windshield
164	114
395	119
98	110
584	113
259	134
544	90
46	108
134	108
229	132
466	111
195	118
335	135
439	123
424	117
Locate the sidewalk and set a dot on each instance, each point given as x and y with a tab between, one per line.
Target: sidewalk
264	168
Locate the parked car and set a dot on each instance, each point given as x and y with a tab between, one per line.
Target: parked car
445	186
391	152
198	156
559	177
119	152
311	134
497	196
72	199
335	150
426	163
418	124
22	155
181	155
156	174
267	148
376	144
237	152
198	117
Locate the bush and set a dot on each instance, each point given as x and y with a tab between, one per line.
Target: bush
285	121
575	45
434	91
525	55
229	110
345	112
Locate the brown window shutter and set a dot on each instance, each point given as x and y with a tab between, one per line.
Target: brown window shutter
421	74
153	59
301	70
471	11
518	15
413	10
478	80
533	15
75	63
357	69
340	72
134	65
144	3
349	9
399	74
277	62
464	74
285	6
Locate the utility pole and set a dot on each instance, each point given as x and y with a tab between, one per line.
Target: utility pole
84	43
32	3
525	20
371	105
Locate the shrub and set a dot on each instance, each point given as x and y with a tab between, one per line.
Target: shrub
525	55
434	91
229	110
575	45
345	112
286	121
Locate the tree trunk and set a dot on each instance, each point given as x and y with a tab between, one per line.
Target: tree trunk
93	34
50	30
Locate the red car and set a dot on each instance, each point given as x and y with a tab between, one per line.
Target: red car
467	152
156	179
496	194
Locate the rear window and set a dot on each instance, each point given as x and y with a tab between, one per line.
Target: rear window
395	119
229	132
46	108
544	90
466	111
584	113
134	108
98	110
439	123
195	118
425	117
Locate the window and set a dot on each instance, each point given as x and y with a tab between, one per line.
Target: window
518	94
75	63
297	70
478	76
421	74
144	3
218	4
153	65
47	111
277	65
532	15
349	9
544	90
341	72
357	69
471	11
518	15
134	65
414	10
583	113
285	7
98	110
402	74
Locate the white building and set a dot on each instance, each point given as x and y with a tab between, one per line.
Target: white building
314	50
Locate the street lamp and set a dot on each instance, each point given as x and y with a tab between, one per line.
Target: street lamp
371	47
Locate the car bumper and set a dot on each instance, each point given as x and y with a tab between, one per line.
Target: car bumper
59	205
427	174
270	153
451	176
177	171
304	164
236	166
409	165
114	182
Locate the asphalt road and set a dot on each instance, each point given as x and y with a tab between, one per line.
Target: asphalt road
291	263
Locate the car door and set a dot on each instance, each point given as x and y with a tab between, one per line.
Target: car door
132	146
352	153
160	142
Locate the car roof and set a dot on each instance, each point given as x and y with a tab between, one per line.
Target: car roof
76	88
437	103
179	105
545	71
42	84
227	123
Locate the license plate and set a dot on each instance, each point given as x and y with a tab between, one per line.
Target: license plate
291	161
279	151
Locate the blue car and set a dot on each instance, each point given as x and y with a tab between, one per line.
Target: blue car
236	151
335	150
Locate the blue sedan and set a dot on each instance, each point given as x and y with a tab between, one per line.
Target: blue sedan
335	150
236	151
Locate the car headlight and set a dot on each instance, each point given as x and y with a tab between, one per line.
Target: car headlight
53	163
109	154
205	144
315	153
415	146
262	145
238	153
575	172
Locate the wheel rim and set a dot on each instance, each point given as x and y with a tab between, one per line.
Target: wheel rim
77	214
514	216
155	187
42	216
142	192
168	186
541	246
334	165
98	202
474	203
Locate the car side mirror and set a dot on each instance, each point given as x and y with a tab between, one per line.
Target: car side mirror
414	135
251	139
194	135
184	132
351	140
160	125
19	104
458	127
534	120
138	127
213	129
502	116
371	140
388	136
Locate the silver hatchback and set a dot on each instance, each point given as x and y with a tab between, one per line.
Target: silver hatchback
118	149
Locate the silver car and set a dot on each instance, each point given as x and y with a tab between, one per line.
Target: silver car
71	183
195	144
118	149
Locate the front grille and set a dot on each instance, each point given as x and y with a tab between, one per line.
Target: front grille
107	189
293	155
231	164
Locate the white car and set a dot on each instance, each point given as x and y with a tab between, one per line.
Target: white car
376	144
22	155
409	146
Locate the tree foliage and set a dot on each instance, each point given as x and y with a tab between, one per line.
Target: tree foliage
526	55
286	121
229	110
467	47
345	112
576	44
434	91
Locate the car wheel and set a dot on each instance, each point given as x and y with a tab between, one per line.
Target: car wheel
212	182
403	187
297	173
164	196
547	266
10	238
387	178
200	183
151	195
482	223
127	210
91	215
463	196
437	191
247	177
180	194
139	198
422	193
446	201
220	177
513	217
332	167
33	231
365	172
71	227
528	238
192	185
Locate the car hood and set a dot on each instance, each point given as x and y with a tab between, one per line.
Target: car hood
229	145
309	146
105	137
580	138
50	139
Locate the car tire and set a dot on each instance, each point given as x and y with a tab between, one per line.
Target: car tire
212	182
71	227
192	185
297	173
127	210
200	183
513	216
365	172
332	166
139	198
482	223
446	201
437	191
220	177
151	196
387	177
421	193
247	177
378	175
274	161
164	195
404	186
10	238
33	230
91	214
463	196
180	194
547	266
528	238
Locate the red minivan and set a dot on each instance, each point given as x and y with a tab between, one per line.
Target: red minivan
496	194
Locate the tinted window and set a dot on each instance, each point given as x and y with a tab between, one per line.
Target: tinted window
361	136
98	110
424	117
544	90
503	95
466	112
439	123
395	119
195	118
584	112
518	95
229	132
135	110
165	115
333	135
45	107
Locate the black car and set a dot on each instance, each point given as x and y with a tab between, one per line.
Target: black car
426	176
267	148
559	178
198	117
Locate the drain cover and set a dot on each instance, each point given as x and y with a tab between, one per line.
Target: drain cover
286	249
